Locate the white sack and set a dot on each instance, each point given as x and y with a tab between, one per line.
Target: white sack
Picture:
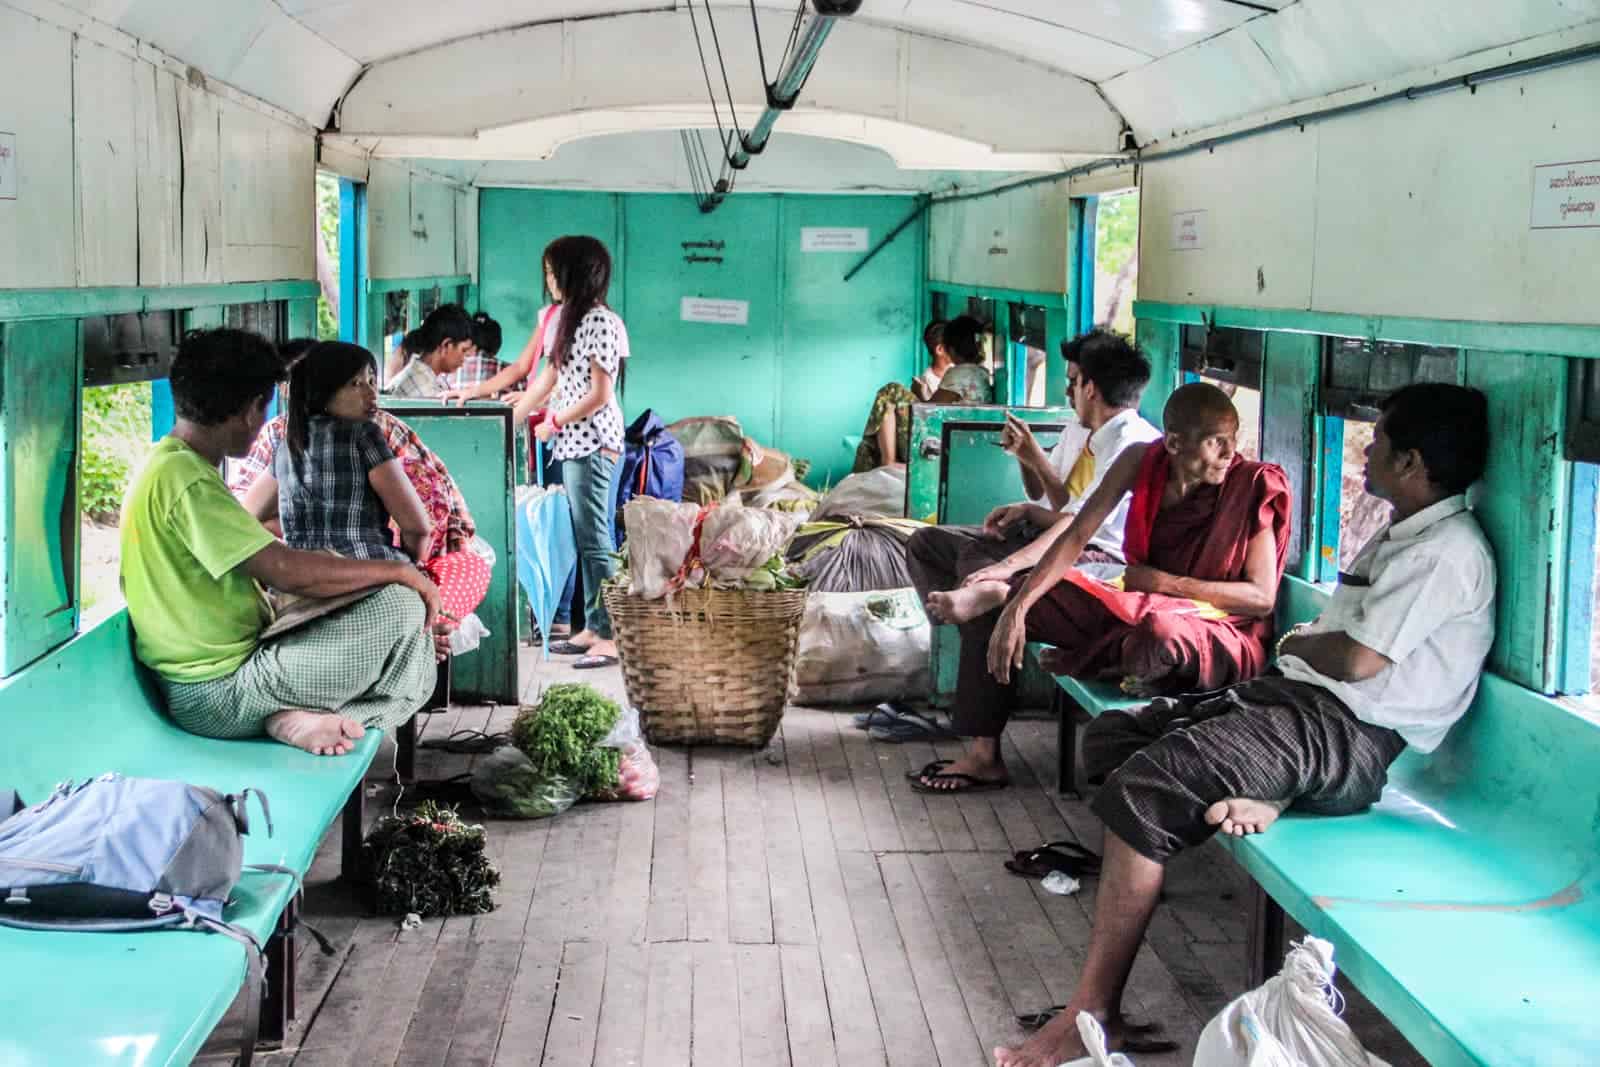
735	541
660	535
880	492
856	648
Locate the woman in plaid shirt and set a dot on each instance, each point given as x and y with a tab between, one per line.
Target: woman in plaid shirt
446	553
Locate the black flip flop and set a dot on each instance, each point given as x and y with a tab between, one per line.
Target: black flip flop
929	771
1137	1038
973	785
1068	857
567	648
882	715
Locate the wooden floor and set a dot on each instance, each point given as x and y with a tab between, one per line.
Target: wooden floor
796	906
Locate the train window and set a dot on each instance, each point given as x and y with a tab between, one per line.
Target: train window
1583	412
427	301
1361	515
1231	360
116	440
396	319
1028	351
1116	260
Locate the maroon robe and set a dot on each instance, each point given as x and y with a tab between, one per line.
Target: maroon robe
1102	631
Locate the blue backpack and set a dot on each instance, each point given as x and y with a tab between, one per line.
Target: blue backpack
652	464
115	854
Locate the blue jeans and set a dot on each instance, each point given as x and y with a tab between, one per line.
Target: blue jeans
591	483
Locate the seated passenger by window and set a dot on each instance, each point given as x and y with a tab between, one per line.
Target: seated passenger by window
337	378
1206	540
484	362
431	352
886	438
192	559
1393	661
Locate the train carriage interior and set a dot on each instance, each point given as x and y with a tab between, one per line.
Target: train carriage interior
1304	211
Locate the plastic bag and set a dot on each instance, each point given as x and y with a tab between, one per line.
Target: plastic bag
507	784
858	556
660	537
735	541
880	492
638	777
468	634
856	648
1292	1020
1094	1043
546	551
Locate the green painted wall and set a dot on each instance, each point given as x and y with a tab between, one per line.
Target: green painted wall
799	375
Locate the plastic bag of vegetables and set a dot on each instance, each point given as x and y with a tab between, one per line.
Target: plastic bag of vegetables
507	784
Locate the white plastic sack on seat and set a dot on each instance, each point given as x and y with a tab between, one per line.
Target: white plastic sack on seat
1292	1020
880	492
856	648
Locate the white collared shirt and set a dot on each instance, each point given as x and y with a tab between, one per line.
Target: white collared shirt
417	380
1421	593
1121	430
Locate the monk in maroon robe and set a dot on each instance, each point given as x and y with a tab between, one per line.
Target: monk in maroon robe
1206	542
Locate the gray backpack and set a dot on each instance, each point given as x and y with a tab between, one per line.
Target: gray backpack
115	854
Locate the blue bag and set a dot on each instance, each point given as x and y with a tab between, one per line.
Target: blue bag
652	465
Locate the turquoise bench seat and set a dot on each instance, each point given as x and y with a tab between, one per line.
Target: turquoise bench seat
1464	904
153	998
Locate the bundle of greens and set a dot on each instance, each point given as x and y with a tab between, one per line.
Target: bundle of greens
562	736
428	862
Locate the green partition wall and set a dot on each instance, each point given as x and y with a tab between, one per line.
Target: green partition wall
799	371
476	445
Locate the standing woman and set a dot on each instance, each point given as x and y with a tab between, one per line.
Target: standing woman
586	343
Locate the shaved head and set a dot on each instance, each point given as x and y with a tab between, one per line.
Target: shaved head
1199	409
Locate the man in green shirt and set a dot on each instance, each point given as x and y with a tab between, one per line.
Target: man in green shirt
194	561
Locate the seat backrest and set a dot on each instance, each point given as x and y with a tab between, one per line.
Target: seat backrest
79	711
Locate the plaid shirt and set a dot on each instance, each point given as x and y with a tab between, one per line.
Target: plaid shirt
333	506
453	528
476	370
417	381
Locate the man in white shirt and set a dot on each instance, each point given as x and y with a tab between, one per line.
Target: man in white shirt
1394	661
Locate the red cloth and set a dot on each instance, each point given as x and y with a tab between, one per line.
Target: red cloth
463	581
1206	535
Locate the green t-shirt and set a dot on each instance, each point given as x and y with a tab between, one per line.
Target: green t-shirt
196	614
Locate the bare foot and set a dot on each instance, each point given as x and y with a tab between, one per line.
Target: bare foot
968	602
1057	1042
321	733
984	770
603	648
1240	815
584	639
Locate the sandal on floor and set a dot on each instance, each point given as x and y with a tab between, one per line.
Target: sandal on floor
1068	857
594	663
911	726
885	714
930	771
567	648
972	785
1137	1038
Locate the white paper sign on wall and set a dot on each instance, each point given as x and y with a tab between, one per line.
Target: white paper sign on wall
1566	196
833	239
8	166
1188	230
721	312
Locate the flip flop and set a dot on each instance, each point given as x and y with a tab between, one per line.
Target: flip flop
567	648
1138	1038
973	785
882	715
911	726
592	663
929	771
1068	857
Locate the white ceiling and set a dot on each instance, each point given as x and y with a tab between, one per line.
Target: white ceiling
1019	81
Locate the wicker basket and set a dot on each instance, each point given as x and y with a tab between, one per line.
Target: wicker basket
708	666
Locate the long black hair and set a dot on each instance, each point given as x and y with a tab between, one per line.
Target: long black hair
447	322
321	373
581	267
